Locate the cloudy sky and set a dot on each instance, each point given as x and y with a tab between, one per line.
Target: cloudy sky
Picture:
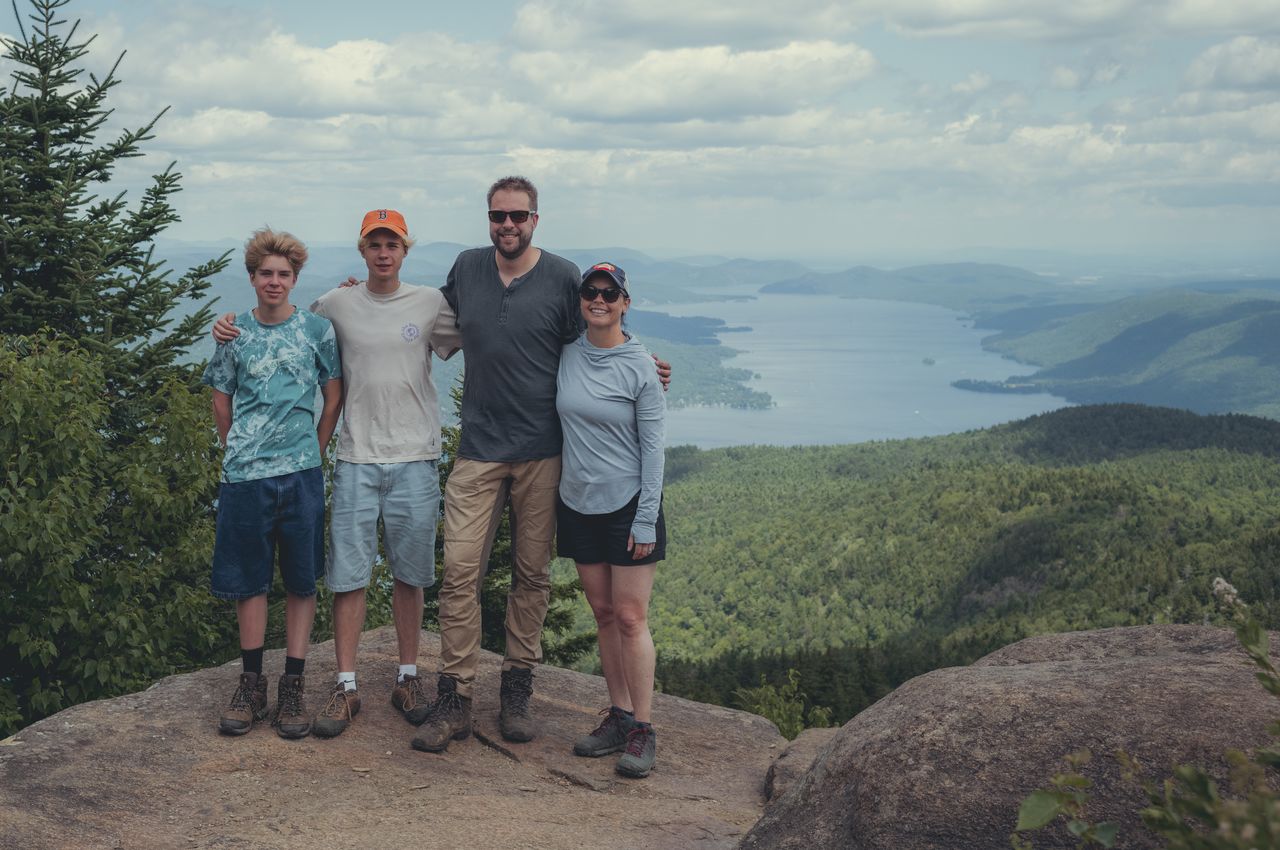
832	132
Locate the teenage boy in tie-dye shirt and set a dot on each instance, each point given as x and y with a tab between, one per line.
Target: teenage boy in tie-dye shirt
272	495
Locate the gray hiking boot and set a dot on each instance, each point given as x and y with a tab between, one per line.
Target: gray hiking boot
514	719
409	697
291	708
448	719
609	737
642	750
248	703
338	712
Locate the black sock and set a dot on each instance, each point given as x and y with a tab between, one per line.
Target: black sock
627	713
251	660
293	666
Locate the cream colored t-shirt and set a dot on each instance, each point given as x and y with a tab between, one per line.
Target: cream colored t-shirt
389	408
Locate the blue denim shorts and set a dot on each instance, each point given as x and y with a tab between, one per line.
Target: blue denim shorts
257	519
406	496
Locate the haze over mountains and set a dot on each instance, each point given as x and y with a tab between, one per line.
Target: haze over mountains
1201	342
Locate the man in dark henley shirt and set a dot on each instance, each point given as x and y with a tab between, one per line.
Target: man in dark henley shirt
517	306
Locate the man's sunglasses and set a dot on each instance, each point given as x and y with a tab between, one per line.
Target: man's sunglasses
589	293
517	216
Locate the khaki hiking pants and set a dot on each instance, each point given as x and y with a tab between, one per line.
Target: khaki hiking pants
474	497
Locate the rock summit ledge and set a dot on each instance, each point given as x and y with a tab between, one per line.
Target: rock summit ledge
149	770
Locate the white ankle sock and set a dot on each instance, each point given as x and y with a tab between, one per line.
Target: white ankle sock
407	670
347	680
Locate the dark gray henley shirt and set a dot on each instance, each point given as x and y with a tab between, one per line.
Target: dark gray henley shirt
511	338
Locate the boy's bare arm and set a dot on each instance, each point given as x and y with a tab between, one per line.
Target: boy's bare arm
225	330
222	415
332	393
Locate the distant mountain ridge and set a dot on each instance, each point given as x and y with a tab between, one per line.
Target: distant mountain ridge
961	286
1208	352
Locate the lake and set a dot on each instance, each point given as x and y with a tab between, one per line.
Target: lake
844	370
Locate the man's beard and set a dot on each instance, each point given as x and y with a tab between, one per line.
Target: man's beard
522	245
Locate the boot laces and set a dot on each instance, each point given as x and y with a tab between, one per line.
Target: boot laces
242	699
337	705
610	720
291	700
637	738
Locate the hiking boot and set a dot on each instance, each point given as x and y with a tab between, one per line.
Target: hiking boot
410	698
642	747
248	703
338	712
609	737
514	719
291	708
448	719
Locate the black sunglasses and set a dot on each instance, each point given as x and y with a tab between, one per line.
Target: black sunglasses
517	216
589	293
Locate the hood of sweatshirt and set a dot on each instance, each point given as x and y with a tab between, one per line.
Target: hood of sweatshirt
630	348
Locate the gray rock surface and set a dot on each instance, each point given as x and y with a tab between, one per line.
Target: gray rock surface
795	760
945	760
149	770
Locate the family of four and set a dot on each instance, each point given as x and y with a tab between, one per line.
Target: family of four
562	420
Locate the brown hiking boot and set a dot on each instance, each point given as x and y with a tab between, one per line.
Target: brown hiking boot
291	708
343	705
248	703
409	697
448	719
514	719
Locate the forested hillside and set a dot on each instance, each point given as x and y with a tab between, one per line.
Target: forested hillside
1207	351
864	565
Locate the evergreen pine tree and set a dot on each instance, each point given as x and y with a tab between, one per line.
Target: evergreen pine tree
71	260
108	460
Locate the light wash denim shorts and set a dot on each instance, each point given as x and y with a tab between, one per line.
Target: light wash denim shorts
406	496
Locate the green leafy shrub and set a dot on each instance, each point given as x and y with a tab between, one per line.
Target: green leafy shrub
104	542
784	705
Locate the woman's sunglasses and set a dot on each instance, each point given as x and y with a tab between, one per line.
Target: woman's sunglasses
589	293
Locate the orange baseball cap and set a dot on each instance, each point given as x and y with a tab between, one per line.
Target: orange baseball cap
390	219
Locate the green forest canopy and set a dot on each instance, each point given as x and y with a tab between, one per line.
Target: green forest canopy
879	561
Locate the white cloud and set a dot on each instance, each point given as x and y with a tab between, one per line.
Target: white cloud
1245	62
704	82
1064	78
1043	19
541	24
976	82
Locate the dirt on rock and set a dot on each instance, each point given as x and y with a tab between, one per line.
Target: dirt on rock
149	770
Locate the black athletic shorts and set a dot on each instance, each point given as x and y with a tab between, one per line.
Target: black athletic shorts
602	538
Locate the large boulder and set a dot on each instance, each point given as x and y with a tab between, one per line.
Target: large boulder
945	760
149	770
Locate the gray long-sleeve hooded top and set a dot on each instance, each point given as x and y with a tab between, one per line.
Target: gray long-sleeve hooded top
612	412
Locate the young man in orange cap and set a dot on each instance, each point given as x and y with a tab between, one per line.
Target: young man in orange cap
388	447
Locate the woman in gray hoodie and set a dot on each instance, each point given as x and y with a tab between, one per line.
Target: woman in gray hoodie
609	514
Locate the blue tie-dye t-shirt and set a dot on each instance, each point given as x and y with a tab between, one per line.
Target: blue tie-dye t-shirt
271	373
